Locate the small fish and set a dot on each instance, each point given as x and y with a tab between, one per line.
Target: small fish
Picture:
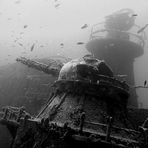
20	44
32	47
57	5
142	29
80	43
84	26
62	45
145	82
25	26
18	1
134	14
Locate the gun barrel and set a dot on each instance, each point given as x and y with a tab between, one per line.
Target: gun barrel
39	66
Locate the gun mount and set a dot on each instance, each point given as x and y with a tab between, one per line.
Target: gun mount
88	107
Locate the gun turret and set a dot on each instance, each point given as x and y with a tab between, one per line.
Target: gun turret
49	69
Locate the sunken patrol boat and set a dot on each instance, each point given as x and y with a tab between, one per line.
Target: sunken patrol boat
87	108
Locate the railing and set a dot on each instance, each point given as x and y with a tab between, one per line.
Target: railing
13	113
98	31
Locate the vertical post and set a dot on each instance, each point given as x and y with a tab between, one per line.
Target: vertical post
82	118
5	113
108	131
20	114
